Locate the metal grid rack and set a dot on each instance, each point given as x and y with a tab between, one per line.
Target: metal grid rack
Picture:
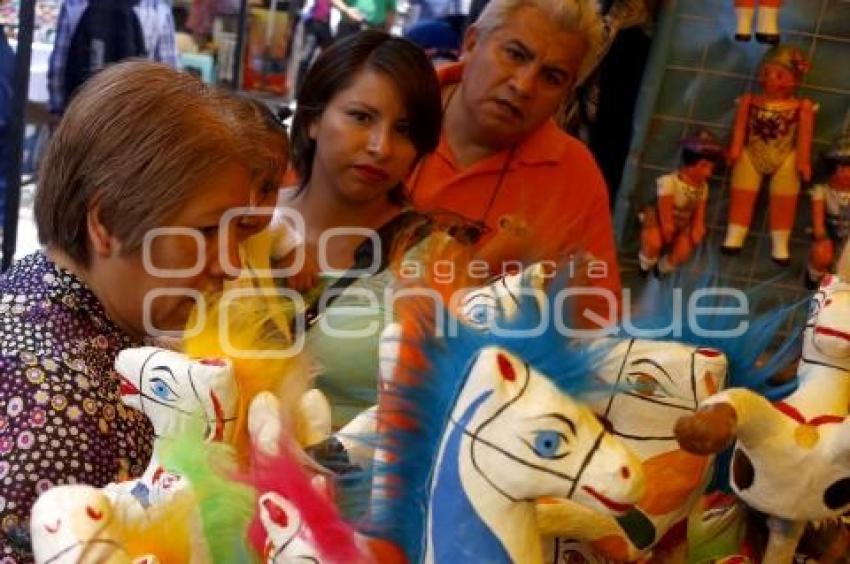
697	71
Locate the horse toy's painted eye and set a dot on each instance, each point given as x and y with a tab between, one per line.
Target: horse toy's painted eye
645	385
162	390
481	314
547	444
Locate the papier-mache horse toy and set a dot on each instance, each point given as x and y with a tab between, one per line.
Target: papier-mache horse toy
269	420
77	523
653	383
81	524
173	390
176	393
476	427
658	372
791	459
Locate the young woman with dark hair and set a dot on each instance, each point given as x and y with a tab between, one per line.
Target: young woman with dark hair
368	111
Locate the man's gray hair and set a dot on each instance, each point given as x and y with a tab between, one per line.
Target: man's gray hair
579	17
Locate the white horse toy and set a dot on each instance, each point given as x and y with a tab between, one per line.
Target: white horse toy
169	387
172	390
77	524
175	392
480	433
791	459
653	384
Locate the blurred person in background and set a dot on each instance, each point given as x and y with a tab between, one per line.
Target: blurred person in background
317	35
93	33
358	15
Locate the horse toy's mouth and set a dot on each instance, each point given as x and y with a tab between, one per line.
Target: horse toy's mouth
829	332
832	343
610	504
128	388
84	544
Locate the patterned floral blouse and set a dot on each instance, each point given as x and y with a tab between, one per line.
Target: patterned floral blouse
61	416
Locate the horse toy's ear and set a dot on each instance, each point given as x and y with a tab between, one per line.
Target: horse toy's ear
507	372
213	370
534	276
315	422
286	541
279	516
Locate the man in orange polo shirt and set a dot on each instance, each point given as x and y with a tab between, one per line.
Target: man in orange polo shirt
502	162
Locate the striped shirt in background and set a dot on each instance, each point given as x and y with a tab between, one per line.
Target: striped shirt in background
157	24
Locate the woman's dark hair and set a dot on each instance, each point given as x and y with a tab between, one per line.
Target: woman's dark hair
335	69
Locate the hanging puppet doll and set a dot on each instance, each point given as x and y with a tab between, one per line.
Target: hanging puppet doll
767	28
772	136
830	210
675	226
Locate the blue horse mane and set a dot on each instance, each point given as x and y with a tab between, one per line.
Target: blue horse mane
744	353
400	512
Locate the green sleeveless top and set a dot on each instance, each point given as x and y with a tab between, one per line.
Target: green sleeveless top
343	339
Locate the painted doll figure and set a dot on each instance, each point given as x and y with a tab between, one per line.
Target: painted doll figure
676	225
772	137
830	210
767	27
